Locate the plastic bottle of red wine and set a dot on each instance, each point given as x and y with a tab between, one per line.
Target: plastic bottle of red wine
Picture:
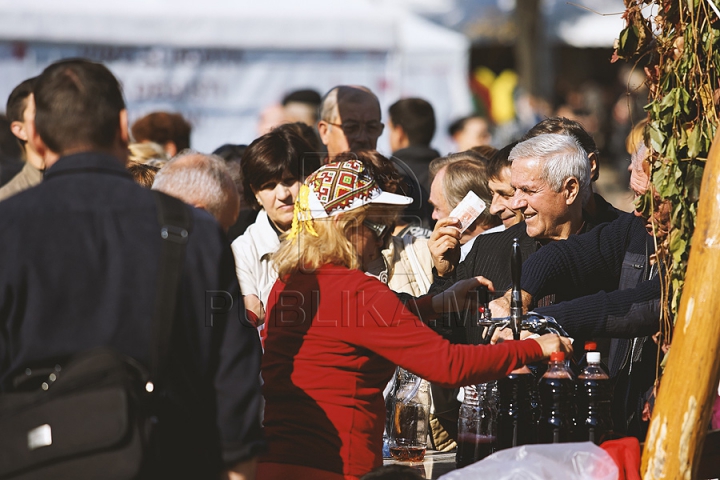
594	418
515	425
590	346
556	396
477	424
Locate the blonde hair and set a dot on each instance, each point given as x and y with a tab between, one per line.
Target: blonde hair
328	242
636	137
146	152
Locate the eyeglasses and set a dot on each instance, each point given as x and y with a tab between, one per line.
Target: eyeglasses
378	229
352	128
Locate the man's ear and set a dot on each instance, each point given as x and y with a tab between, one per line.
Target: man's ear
593	158
398	137
324	131
571	190
18	129
170	148
124	130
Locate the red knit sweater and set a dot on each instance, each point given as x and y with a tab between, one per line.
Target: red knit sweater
334	338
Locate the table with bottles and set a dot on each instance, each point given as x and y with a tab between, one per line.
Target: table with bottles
558	406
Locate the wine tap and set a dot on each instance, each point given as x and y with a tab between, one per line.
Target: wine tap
516	307
532	321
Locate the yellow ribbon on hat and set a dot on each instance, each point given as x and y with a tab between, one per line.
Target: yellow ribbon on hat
302	216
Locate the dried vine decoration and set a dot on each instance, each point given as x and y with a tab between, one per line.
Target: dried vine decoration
677	45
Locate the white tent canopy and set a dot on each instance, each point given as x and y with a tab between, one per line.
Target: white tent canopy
220	62
271	24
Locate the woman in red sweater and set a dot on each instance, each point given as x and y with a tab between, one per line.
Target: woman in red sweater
336	334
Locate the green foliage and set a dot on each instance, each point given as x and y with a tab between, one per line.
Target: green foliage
678	46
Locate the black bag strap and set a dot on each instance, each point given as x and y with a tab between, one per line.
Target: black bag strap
175	219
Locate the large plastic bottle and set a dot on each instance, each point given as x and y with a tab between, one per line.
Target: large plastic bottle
515	424
594	418
477	425
556	396
590	346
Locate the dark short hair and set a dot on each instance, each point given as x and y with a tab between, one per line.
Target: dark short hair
459	124
308	133
17	101
230	152
269	156
163	127
499	161
307	96
417	119
78	103
565	126
485	150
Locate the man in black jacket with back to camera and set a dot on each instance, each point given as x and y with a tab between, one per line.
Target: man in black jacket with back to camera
80	264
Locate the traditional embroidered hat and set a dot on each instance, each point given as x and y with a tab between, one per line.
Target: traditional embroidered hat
335	188
342	186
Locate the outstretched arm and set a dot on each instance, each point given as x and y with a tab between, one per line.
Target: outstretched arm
584	264
627	313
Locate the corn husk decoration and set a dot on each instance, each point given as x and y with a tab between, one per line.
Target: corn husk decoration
302	217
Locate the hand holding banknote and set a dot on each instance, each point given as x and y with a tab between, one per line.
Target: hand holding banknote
444	243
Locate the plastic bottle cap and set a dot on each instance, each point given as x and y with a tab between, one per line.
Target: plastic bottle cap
593	357
557	357
590	346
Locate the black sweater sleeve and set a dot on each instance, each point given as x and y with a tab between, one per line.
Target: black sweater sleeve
587	269
584	264
627	313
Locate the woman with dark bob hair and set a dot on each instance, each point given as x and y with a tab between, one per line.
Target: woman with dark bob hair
273	167
335	334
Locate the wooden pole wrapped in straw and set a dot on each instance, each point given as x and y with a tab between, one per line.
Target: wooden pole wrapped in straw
682	411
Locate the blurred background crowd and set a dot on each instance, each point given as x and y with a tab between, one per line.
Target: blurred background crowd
233	70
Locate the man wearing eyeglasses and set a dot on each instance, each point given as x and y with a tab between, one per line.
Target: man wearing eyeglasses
349	120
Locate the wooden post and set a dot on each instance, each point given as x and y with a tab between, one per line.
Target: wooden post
688	387
533	60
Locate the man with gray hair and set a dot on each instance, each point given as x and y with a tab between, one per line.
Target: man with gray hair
551	177
204	182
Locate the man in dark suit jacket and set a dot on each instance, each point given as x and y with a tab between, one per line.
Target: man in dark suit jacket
80	260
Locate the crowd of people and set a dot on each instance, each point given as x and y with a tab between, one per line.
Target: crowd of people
314	266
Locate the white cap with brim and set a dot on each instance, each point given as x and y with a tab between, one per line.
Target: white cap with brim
317	210
343	186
